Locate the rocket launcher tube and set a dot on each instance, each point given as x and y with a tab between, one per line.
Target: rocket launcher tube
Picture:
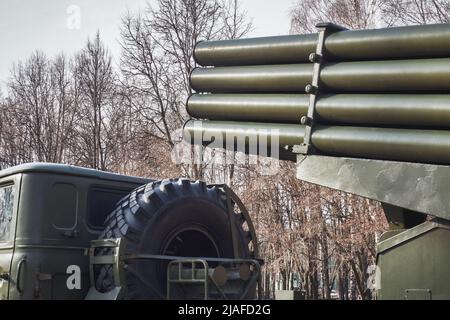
413	145
403	110
399	76
377	44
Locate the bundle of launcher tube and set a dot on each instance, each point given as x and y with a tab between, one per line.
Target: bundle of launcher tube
384	93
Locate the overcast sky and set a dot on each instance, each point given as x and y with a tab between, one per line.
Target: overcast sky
51	25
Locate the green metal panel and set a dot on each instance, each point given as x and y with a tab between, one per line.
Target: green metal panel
414	264
64	169
414	186
47	244
424	75
400	42
377	109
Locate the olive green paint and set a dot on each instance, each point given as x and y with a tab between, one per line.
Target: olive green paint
41	250
413	145
415	75
417	110
387	43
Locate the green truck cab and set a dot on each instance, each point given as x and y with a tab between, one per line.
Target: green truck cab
50	213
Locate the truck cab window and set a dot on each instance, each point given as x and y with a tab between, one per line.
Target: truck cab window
102	202
6	212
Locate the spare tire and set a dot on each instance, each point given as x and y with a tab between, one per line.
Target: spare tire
170	217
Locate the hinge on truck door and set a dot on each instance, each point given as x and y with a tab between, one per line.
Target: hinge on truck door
116	246
418	294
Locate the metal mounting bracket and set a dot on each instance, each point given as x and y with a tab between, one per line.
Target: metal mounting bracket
317	58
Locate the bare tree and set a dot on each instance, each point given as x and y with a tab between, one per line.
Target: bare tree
64	112
236	23
157	59
14	140
354	14
96	84
364	14
407	12
41	106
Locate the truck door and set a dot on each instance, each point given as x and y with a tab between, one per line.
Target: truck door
8	209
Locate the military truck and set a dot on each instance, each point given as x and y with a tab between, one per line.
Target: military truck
361	111
75	233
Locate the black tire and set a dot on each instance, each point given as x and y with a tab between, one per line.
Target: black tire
169	217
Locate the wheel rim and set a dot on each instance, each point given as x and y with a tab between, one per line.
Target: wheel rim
191	242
